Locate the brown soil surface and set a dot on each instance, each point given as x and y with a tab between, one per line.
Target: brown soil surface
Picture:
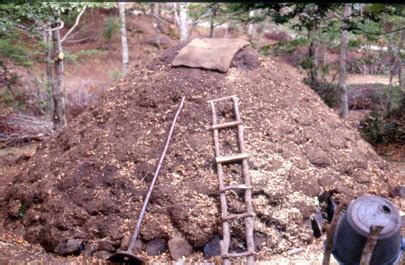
87	182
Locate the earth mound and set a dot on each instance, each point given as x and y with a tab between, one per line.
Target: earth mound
84	187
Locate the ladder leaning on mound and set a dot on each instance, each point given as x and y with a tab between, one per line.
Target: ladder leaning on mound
234	158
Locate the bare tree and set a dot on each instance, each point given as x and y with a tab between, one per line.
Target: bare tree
124	41
59	108
176	15
400	47
47	35
214	7
156	24
183	21
251	29
395	69
344	40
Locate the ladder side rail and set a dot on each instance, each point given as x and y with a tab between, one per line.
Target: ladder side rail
249	221
225	242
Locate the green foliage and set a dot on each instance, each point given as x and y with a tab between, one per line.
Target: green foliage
372	128
354	43
287	46
22	210
79	56
115	75
377	129
327	91
381	127
17	52
111	27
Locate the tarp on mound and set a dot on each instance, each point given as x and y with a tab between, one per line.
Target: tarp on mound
209	53
86	184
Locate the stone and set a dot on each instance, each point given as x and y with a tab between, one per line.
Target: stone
106	245
318	157
155	247
70	247
259	241
125	242
212	248
138	246
179	247
102	254
400	191
90	249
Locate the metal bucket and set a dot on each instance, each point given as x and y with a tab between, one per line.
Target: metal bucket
354	227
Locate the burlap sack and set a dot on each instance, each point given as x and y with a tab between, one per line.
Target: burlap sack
209	53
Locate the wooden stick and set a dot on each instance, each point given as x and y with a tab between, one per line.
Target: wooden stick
368	249
162	156
224	243
330	233
249	221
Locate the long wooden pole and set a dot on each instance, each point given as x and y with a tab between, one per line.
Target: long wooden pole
159	165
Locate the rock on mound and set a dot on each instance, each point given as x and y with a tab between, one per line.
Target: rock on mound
86	184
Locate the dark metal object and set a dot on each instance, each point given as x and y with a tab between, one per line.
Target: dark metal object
317	224
127	256
354	227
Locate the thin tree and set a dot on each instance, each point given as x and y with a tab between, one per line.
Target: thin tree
183	21
124	41
176	15
156	24
344	40
251	29
58	98
214	7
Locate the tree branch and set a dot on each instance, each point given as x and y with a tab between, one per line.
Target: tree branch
75	25
158	18
227	18
383	33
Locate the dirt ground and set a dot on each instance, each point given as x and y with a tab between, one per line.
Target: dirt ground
355	79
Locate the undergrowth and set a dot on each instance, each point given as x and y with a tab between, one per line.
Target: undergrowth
381	127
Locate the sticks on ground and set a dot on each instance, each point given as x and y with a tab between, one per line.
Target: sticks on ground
18	128
330	232
375	231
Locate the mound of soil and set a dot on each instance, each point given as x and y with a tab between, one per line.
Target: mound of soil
84	187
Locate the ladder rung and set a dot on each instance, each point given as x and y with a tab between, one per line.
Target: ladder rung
226	125
237	216
231	158
241	254
221	99
234	187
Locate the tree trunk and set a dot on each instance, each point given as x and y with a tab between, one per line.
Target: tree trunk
251	27
124	41
320	57
226	25
261	33
183	22
214	10
313	71
156	24
344	40
175	15
59	108
389	90
49	74
400	47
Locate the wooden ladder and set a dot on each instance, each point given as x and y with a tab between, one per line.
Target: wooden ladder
246	186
